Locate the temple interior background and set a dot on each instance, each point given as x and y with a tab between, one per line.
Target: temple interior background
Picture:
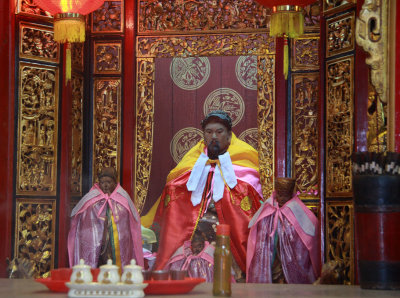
147	74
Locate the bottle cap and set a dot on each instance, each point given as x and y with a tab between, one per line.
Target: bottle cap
223	229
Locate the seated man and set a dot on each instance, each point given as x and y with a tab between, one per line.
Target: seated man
218	180
283	242
196	256
105	225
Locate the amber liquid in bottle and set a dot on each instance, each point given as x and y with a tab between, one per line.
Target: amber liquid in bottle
222	263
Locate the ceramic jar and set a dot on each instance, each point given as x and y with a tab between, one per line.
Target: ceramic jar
109	273
132	274
81	273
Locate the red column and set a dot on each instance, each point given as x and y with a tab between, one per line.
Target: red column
397	82
6	129
129	100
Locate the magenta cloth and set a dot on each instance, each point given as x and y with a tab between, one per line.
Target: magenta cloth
197	266
296	227
87	225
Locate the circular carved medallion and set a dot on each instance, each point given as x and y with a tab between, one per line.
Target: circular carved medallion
183	141
228	100
246	71
190	73
250	136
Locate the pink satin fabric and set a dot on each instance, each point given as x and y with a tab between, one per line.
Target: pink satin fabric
87	224
298	249
200	265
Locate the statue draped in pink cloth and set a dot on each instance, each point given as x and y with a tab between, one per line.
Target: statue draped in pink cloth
195	256
283	243
105	225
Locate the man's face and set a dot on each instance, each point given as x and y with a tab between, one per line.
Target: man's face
217	132
107	184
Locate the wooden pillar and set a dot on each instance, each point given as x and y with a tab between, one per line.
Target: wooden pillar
6	129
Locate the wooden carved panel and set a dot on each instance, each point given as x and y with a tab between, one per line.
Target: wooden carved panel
172	16
37	130
305	136
77	85
340	237
144	135
339	126
333	6
377	134
340	34
107	57
305	53
35	222
109	18
37	42
206	45
266	121
106	125
312	17
77	56
29	7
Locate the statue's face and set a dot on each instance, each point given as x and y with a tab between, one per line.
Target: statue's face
217	132
107	184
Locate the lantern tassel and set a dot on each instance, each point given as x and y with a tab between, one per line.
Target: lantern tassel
68	64
287	22
69	29
285	58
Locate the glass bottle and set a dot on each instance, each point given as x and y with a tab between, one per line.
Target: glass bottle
222	262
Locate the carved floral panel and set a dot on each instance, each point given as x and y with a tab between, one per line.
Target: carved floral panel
340	34
305	53
37	42
35	222
305	136
77	56
107	57
77	85
109	18
37	130
339	126
340	237
206	45
30	7
312	17
173	16
106	124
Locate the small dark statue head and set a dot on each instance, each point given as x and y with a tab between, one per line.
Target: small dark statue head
20	268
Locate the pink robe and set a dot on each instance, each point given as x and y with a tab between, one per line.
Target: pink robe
296	228
201	265
87	224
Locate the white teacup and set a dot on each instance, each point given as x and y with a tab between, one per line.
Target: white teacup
132	274
108	273
81	273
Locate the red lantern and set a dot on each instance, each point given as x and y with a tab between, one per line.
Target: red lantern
69	22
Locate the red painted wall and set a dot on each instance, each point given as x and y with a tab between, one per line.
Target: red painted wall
397	90
6	129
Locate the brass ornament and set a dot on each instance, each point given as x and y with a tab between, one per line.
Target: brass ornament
245	203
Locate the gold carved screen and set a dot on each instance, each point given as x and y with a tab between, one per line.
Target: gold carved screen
151	47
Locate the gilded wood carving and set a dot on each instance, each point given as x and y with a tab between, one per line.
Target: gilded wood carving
107	57
37	42
339	126
305	160
77	85
35	221
109	18
173	16
106	125
340	34
305	52
29	7
340	237
37	130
